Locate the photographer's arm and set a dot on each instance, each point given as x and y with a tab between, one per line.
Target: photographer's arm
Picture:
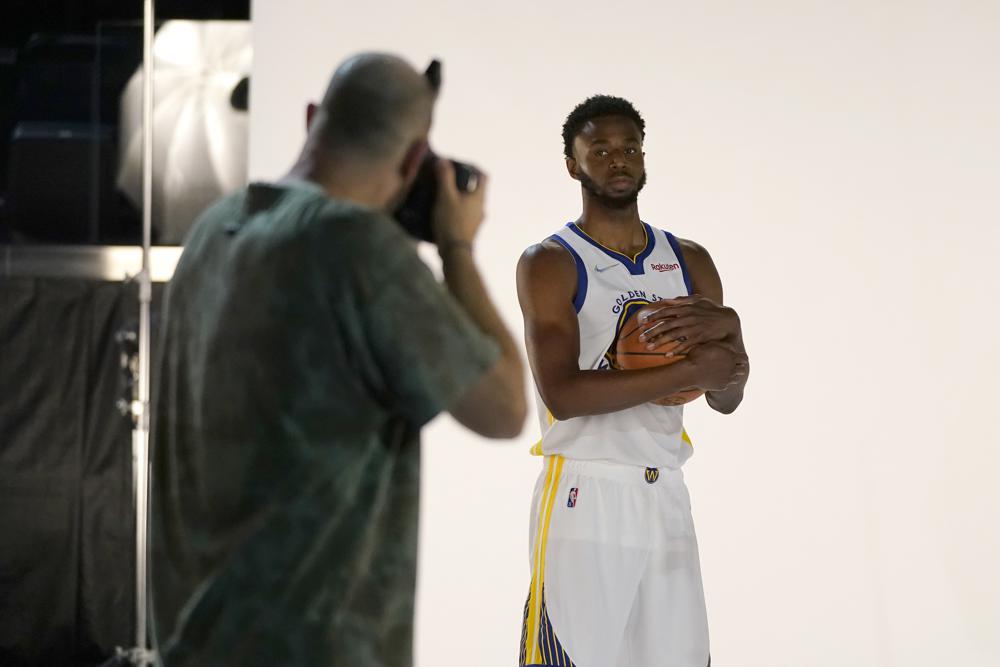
495	405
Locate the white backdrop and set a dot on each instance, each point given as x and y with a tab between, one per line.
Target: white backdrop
841	161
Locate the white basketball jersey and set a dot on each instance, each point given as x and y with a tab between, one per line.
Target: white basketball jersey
610	287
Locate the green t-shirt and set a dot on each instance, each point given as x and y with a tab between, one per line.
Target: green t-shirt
304	343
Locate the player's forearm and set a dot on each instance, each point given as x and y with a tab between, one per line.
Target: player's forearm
727	400
589	392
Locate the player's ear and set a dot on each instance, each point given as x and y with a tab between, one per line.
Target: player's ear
573	168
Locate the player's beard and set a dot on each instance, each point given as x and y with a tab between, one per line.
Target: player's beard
613	201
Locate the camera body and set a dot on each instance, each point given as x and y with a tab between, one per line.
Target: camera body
416	211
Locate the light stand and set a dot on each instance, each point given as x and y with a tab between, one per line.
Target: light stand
140	654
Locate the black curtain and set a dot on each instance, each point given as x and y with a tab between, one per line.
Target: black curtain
66	520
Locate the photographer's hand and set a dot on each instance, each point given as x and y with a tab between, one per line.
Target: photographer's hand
457	216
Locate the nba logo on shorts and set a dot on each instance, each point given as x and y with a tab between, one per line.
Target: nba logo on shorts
572	498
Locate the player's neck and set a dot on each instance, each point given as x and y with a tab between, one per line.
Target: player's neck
618	229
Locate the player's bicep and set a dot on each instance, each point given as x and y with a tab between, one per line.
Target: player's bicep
546	287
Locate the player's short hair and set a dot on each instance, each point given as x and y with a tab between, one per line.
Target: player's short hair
595	107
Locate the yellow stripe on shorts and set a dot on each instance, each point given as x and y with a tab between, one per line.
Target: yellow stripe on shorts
554	465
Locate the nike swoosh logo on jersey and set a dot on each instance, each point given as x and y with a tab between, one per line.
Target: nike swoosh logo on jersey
601	269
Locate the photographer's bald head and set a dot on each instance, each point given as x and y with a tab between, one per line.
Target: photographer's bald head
367	138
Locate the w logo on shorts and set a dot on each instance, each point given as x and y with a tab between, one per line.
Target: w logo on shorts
572	498
652	474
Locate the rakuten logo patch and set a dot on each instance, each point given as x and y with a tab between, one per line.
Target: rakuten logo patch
665	267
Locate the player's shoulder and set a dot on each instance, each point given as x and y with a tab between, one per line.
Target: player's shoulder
546	258
689	246
546	274
694	252
545	250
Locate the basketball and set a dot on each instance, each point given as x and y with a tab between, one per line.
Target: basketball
631	354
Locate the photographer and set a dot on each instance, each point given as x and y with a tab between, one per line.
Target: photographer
304	345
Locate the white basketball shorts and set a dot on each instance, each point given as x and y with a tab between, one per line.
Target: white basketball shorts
615	577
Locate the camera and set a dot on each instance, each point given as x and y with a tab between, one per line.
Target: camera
416	211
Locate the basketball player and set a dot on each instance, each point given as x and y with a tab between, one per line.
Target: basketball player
616	579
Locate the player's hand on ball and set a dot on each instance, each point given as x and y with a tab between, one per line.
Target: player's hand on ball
688	320
457	216
719	365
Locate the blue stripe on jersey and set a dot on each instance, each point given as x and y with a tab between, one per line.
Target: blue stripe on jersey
672	240
637	267
581	273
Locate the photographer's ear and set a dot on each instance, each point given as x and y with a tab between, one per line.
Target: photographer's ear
412	160
311	110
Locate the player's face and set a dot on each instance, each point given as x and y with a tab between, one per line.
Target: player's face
608	160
